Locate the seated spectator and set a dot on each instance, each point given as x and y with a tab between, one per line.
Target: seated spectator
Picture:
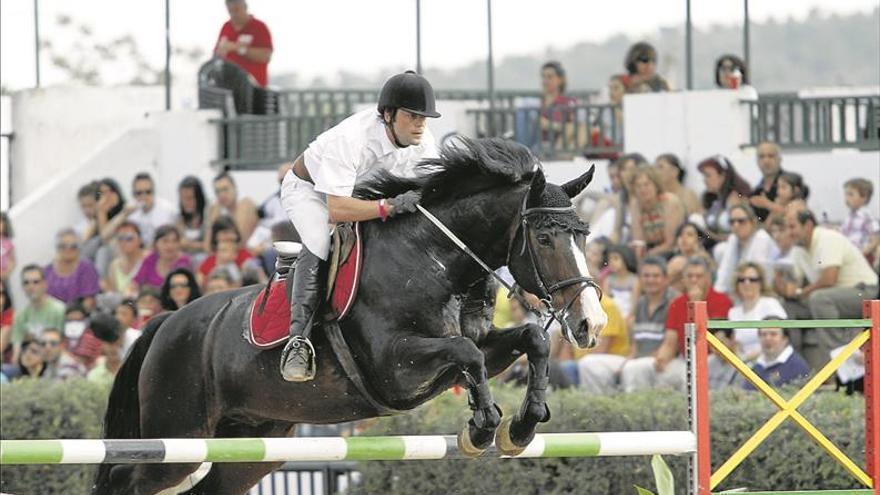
151	212
621	281
628	164
242	210
149	304
792	268
721	373
28	364
111	211
127	313
599	373
127	263
778	363
221	279
790	190
595	253
271	213
749	243
179	289
60	364
165	257
724	188
672	176
87	227
113	350
731	72
688	243
861	227
641	68
770	163
7	316
656	214
70	277
754	302
7	248
666	368
42	310
225	244
596	370
556	112
78	337
105	326
604	211
191	221
844	280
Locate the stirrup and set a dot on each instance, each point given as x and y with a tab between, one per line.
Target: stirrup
298	360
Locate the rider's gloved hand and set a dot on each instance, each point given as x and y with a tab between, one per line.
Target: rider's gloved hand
404	203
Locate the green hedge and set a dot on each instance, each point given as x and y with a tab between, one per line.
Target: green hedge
788	460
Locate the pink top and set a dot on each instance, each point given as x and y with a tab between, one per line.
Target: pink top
6	249
148	274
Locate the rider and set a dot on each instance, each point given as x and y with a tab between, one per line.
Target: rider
317	191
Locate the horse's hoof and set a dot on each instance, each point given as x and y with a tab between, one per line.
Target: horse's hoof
465	446
503	443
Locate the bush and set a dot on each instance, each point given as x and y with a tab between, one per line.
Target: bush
787	460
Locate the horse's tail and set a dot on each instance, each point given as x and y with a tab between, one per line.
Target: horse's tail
123	418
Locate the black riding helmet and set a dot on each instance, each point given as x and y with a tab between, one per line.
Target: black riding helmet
410	92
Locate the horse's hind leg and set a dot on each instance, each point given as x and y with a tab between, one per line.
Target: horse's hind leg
502	347
238	478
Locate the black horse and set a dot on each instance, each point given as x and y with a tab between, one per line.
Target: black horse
421	324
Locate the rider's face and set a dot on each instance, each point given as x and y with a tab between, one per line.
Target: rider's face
409	127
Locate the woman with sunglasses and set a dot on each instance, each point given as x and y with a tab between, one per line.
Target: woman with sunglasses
30	363
180	288
641	68
754	301
70	276
749	242
130	255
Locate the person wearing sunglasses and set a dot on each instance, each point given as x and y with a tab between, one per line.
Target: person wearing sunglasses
754	301
60	364
748	242
641	68
41	311
28	364
180	288
130	255
70	276
151	212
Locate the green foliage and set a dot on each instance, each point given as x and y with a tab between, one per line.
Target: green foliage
789	459
37	409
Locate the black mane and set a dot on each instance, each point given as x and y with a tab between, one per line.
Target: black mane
462	170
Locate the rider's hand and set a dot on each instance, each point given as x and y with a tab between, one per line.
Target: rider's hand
404	203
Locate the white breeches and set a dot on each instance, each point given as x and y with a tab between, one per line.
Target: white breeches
307	210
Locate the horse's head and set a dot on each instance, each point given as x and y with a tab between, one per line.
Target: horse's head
547	257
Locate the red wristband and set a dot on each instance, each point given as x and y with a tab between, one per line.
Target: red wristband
383	213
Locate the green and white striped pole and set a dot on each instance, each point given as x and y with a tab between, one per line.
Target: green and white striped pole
390	448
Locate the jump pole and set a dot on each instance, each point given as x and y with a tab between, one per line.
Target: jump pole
388	448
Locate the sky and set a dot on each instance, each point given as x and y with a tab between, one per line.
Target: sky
315	38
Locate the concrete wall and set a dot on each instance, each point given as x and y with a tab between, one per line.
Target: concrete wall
699	124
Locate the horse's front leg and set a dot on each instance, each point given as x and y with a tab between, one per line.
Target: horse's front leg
442	362
501	348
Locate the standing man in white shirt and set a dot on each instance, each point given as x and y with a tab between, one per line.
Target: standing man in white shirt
151	212
317	192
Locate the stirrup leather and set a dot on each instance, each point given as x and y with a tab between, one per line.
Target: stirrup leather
294	366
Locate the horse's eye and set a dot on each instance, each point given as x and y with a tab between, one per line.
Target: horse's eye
545	240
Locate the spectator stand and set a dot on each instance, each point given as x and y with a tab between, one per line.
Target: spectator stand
699	339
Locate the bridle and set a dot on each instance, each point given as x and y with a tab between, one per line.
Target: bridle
548	313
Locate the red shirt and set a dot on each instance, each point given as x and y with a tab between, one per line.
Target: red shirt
717	305
254	34
209	263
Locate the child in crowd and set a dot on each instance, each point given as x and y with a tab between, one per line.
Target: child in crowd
149	304
860	226
126	313
621	282
790	190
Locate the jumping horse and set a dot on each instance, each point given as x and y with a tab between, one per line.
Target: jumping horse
421	323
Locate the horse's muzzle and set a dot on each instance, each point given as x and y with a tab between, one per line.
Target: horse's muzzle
583	337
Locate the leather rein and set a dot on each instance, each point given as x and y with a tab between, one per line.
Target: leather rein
548	313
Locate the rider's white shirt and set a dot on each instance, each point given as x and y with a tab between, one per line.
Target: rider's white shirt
352	151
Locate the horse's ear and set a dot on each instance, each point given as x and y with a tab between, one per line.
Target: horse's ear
536	189
574	187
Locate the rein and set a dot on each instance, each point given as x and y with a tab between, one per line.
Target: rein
514	290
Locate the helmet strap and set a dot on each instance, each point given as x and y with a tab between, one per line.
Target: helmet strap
390	127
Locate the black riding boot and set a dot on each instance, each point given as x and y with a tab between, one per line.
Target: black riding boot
298	356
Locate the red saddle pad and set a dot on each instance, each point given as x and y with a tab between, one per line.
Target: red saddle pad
269	328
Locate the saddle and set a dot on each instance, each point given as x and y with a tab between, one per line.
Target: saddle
269	315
